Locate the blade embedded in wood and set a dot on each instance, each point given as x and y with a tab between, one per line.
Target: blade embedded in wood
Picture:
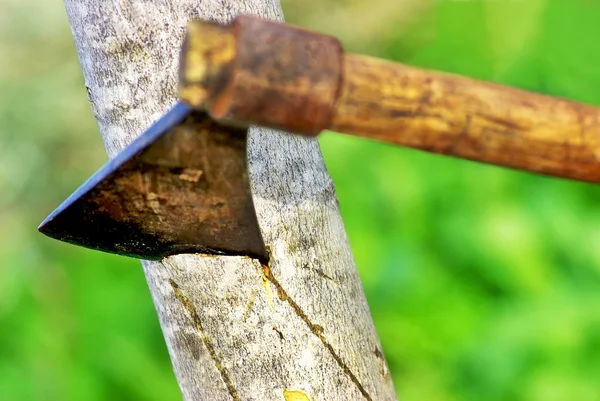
181	187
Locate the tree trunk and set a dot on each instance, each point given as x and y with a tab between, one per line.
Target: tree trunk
299	329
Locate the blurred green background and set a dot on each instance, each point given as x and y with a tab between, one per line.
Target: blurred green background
484	283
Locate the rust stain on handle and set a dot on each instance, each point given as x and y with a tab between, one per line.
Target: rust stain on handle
266	73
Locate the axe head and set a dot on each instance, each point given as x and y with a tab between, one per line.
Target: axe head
181	187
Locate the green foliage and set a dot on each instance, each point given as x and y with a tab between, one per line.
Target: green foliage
484	283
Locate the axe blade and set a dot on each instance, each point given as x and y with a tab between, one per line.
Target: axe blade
181	187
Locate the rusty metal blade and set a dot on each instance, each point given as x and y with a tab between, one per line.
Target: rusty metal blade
181	187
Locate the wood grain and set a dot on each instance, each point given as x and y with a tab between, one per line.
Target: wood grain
463	117
236	329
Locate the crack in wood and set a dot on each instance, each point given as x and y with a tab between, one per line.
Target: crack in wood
166	261
249	305
322	274
315	329
279	333
319	273
265	283
191	309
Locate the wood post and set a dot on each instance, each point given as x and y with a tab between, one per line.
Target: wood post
297	329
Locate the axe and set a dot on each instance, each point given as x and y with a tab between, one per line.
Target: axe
182	186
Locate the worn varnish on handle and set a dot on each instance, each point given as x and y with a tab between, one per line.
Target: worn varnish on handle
265	73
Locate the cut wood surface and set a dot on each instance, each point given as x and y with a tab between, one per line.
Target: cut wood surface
236	329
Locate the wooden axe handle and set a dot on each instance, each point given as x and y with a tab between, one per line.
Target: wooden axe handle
264	73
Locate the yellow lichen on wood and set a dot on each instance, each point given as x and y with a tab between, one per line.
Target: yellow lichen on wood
264	272
466	118
295	396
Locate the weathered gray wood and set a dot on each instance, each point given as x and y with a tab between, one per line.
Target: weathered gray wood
236	329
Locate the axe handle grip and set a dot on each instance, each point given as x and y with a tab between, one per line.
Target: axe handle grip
466	118
265	73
